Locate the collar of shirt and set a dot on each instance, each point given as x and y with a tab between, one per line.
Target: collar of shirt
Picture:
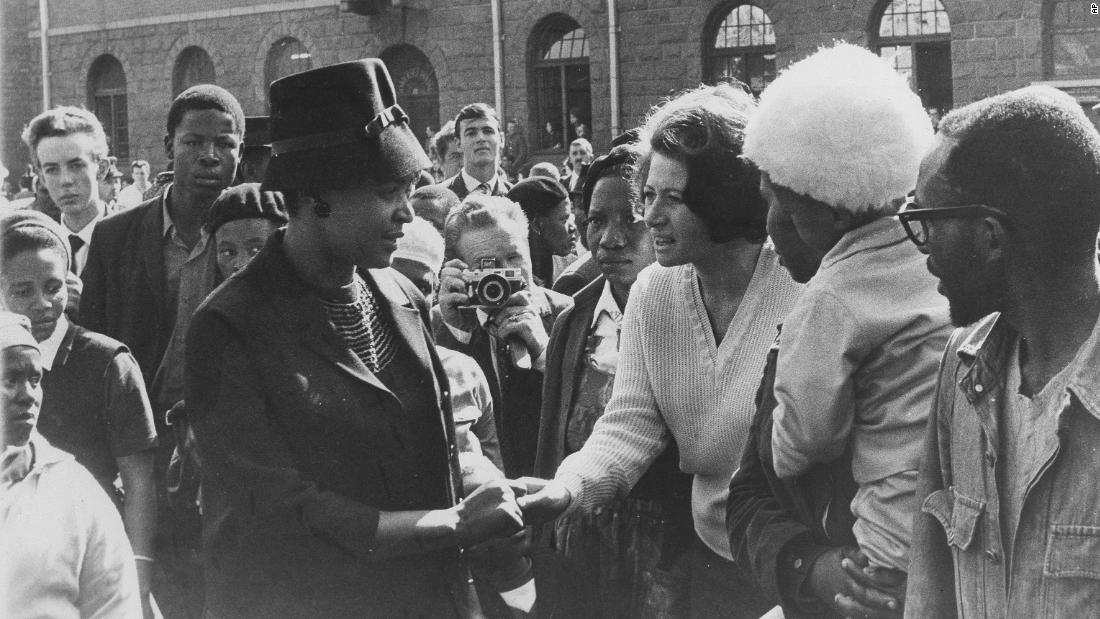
52	344
18	463
879	233
85	233
15	463
169	229
472	183
989	343
607	305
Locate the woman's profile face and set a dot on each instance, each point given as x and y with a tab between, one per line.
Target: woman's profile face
679	235
366	221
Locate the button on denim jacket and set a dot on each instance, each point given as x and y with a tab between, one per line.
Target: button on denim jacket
958	565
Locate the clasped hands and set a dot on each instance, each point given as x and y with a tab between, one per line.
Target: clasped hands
501	508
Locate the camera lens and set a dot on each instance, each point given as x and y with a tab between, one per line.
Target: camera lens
492	290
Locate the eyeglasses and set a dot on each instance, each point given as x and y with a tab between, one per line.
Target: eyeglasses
911	213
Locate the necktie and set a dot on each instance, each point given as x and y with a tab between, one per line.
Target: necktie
483	189
76	243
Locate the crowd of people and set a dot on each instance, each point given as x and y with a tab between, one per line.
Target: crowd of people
799	355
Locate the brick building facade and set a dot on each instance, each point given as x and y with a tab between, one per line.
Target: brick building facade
127	58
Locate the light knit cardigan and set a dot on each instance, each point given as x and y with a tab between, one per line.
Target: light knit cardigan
672	377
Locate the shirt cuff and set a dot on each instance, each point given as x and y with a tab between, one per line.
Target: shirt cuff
463	337
522	597
793	566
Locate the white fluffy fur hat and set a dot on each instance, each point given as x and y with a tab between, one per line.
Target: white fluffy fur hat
421	243
842	127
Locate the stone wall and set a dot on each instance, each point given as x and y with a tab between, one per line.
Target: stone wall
996	46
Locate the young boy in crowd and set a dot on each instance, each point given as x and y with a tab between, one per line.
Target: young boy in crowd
94	403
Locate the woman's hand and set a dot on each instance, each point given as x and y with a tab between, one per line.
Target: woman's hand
843	580
545	500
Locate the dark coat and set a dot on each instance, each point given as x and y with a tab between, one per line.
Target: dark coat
564	355
778	528
124	293
302	447
664	481
518	405
457	185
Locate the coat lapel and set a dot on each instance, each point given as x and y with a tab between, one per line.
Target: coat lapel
151	242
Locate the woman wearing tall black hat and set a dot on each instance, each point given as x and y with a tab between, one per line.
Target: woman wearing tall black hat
319	406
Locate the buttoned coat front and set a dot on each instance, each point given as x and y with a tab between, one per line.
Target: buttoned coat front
302	447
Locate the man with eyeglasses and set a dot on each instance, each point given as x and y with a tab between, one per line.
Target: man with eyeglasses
1006	208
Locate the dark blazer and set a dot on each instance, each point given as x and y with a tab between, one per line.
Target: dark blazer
778	528
516	406
664	481
302	446
457	185
124	293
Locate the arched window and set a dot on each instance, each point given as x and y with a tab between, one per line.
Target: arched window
741	45
416	84
915	36
286	57
107	99
193	66
1072	40
561	96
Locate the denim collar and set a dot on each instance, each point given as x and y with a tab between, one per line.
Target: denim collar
987	347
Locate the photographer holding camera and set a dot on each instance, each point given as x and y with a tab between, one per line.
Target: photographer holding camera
490	308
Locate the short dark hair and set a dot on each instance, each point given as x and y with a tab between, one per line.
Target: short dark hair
205	97
618	163
472	111
140	163
1033	153
704	128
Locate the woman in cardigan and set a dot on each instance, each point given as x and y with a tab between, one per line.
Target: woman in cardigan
695	333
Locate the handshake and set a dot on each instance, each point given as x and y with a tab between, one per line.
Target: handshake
503	507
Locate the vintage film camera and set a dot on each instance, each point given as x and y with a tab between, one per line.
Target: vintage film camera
489	286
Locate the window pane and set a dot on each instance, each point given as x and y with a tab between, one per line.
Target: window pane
573	44
1076	54
910	18
745	26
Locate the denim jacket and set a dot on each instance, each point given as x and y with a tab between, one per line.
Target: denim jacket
958	565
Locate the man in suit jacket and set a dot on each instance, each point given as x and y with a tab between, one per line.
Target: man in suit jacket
132	277
509	342
477	129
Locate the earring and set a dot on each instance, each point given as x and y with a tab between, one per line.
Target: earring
321	208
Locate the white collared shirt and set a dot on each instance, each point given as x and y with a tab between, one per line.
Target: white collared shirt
607	320
80	256
472	183
52	344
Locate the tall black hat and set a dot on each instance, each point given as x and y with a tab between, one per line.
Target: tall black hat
333	126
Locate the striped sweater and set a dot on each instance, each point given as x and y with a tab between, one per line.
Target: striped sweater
672	378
